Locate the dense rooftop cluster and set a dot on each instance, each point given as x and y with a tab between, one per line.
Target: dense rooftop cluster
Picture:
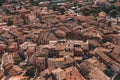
51	40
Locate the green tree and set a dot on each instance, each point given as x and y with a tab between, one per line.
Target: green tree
113	13
62	10
54	7
35	3
30	71
10	22
2	1
86	11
